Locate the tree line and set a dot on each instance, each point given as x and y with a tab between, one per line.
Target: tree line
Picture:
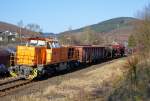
31	26
86	37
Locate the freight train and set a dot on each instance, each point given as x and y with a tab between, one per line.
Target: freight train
44	56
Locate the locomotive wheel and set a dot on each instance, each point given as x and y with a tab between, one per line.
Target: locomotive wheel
33	75
13	73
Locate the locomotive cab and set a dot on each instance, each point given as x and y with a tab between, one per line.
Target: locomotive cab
43	43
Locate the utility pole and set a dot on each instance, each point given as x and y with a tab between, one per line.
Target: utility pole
20	24
20	35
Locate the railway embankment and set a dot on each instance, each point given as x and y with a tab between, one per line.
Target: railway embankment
96	82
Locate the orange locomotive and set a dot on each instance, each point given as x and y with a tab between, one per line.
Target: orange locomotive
42	56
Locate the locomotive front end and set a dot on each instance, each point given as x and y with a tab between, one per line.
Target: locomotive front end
28	58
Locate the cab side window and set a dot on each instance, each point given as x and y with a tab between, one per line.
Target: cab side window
48	45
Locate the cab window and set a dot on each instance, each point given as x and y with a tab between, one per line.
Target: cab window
36	43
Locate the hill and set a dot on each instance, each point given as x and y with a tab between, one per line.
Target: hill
116	29
109	25
13	28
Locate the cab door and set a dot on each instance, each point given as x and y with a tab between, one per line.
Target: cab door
52	54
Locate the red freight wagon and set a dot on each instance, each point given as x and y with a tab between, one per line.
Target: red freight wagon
119	49
90	53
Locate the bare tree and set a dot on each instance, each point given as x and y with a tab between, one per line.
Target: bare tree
20	23
34	27
131	41
143	29
89	36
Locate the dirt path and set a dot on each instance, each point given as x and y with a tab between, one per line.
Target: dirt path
93	83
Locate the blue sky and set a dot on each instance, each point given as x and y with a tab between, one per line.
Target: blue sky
58	15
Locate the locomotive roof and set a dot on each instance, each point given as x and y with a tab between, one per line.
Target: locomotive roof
43	39
89	46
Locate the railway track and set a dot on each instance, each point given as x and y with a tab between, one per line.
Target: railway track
4	78
8	80
8	85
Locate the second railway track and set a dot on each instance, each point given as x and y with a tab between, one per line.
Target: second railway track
8	80
7	86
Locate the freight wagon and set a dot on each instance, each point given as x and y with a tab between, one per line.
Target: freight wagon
89	53
5	55
118	50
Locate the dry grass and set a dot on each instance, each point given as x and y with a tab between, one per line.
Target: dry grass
29	98
136	85
93	85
